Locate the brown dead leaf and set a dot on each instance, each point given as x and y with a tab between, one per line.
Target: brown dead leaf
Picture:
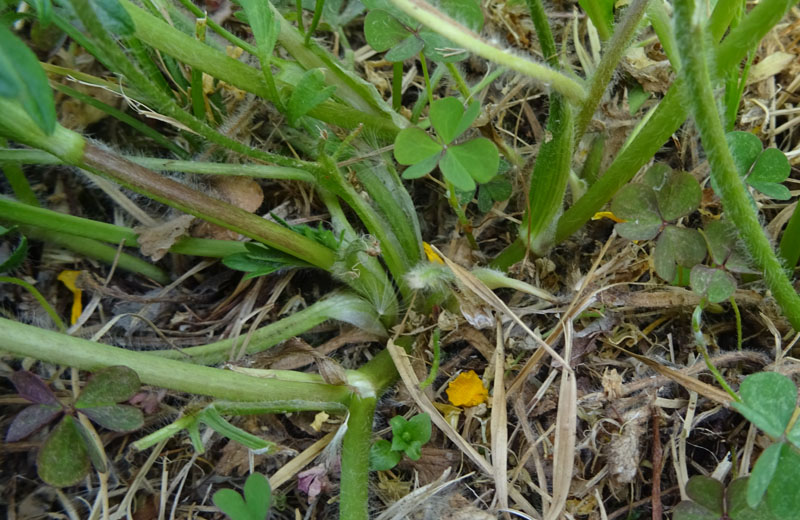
432	463
242	192
156	241
235	460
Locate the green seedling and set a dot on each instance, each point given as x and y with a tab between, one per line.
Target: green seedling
388	28
255	503
309	92
764	170
407	437
710	500
64	457
650	209
462	164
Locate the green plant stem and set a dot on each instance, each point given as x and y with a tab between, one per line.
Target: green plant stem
183	47
434	371
457	33
397	85
125	118
48	224
314	21
344	306
39	298
466	225
700	341
428	88
105	253
459	79
299	11
542	26
601	78
738	316
692	46
29	341
261	171
198	99
354	492
662	25
670	113
217	28
486	81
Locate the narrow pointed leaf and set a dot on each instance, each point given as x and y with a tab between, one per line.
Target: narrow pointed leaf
62	460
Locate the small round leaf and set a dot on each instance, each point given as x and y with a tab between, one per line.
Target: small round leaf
713	284
382	456
424	167
479	157
62	460
768	401
677	246
707	492
637	205
405	49
412	145
382	30
745	148
445	116
118	418
108	386
679	196
31	419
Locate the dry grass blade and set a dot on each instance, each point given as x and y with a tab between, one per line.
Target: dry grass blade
688	382
499	424
410	503
480	290
294	466
566	426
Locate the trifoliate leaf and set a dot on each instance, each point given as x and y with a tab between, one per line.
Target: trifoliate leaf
413	145
62	459
677	246
636	204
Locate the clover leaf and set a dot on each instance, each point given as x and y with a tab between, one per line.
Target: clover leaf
710	500
253	506
461	164
496	190
388	28
65	455
648	208
764	170
408	436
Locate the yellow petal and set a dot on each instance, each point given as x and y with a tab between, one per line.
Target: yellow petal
68	278
467	390
431	254
607	214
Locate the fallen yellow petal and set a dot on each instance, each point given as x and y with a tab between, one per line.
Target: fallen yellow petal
431	254
68	278
607	214
467	390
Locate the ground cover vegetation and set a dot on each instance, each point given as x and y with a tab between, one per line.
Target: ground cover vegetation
399	259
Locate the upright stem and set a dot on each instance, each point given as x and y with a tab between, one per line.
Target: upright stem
354	492
608	63
694	49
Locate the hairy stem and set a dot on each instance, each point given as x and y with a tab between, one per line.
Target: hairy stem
608	63
694	49
460	35
354	493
